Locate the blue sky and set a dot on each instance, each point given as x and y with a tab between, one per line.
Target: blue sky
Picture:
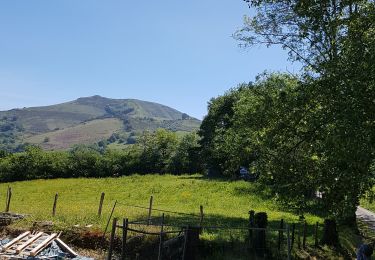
177	53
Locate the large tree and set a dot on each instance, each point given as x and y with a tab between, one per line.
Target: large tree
335	126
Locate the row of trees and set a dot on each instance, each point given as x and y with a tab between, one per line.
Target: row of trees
311	132
158	152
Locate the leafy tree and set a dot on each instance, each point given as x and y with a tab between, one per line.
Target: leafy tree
214	125
186	158
333	126
157	150
85	162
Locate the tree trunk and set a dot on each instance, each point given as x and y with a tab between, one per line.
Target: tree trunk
330	234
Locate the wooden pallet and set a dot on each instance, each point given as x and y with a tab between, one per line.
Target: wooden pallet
30	244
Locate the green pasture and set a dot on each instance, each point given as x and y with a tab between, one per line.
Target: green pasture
224	202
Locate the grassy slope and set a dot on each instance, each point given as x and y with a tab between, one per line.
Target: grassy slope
89	132
47	118
44	119
67	123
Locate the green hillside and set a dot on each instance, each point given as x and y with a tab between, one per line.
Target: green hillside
48	124
90	132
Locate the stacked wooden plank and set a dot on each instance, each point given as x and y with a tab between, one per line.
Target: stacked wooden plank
30	245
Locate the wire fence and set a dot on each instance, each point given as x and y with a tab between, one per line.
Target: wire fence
183	234
162	238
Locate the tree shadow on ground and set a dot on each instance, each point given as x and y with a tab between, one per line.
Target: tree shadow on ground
207	178
221	237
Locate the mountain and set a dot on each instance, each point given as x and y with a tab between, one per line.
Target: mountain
88	120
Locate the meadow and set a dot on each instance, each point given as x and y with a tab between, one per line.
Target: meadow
225	202
78	199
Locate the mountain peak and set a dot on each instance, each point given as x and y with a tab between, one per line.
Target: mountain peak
88	119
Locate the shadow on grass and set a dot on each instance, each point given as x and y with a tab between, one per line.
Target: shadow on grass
312	206
207	178
221	238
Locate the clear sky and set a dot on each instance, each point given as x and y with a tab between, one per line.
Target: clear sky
177	53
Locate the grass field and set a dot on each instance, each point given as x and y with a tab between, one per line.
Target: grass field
225	202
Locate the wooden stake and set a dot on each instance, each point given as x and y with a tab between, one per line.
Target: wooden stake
161	238
111	242
299	235
101	204
201	216
125	223
109	220
6	200
280	234
304	235
9	197
185	243
251	225
293	231
54	205
316	234
150	211
288	242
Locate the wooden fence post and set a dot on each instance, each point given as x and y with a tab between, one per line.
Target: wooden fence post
101	204
150	210
161	238
111	241
293	232
299	235
280	234
201	216
304	234
109	220
251	226
9	197
6	199
125	223
288	242
185	243
316	234
54	205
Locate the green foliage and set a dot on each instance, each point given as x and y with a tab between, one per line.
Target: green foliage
186	157
34	163
314	132
212	130
162	151
280	127
158	152
10	134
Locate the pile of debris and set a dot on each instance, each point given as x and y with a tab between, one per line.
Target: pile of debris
36	245
6	218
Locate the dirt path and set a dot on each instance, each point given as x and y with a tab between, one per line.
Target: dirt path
367	217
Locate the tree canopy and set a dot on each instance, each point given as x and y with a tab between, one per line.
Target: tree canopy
311	132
